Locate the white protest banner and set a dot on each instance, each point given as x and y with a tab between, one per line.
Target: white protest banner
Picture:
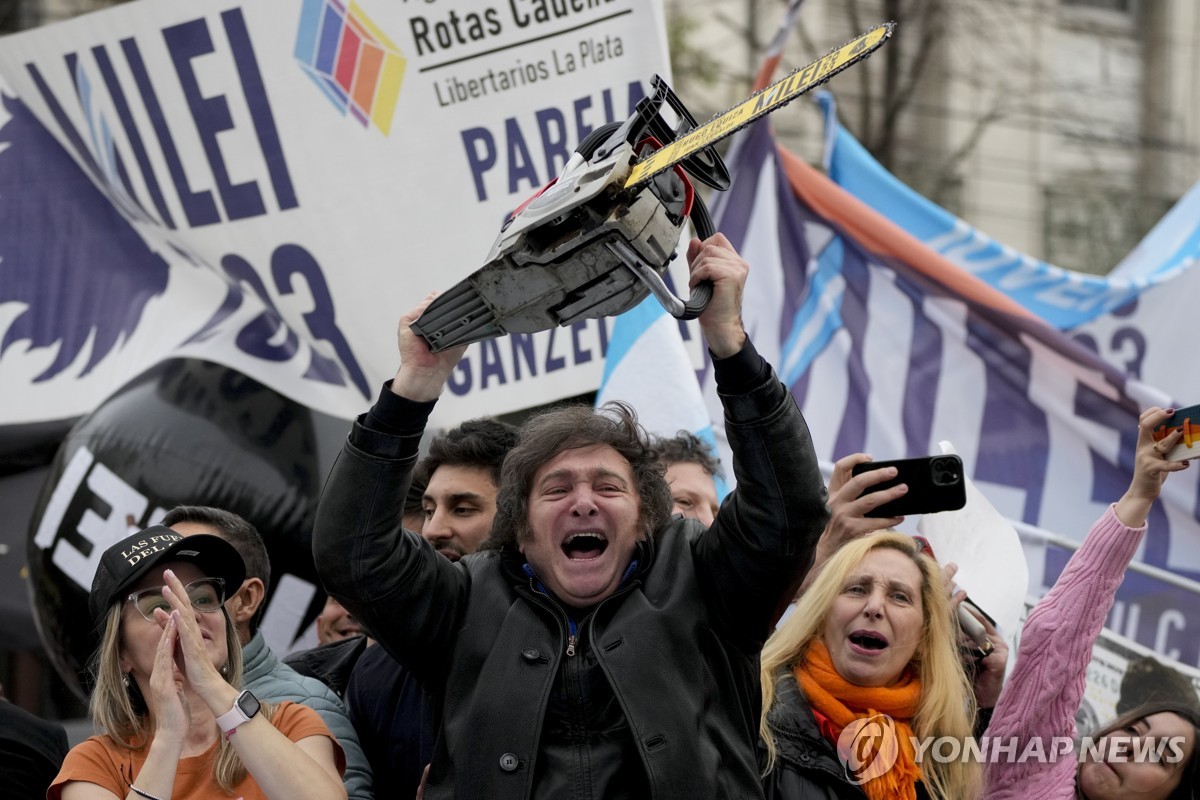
269	185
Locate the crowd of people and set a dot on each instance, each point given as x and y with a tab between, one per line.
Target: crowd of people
567	611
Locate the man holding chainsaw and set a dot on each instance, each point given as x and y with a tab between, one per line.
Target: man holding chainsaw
596	647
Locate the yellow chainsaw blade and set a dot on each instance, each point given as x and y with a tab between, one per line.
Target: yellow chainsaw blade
778	94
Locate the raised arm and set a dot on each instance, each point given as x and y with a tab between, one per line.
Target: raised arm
1043	692
1150	468
714	259
390	579
422	374
764	536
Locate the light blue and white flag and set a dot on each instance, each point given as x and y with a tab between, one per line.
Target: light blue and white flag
889	348
1064	298
1135	318
646	357
1173	244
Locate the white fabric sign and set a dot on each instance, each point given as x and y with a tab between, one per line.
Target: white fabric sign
269	185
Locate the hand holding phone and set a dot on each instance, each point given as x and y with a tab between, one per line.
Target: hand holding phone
849	507
935	483
1186	420
853	495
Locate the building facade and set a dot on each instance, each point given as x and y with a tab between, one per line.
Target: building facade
1063	128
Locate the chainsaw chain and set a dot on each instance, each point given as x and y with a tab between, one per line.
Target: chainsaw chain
755	116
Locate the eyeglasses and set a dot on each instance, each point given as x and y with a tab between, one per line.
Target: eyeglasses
206	595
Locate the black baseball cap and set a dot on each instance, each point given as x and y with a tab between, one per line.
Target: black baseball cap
129	560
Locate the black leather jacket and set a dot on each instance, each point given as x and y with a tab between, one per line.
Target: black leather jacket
664	672
330	663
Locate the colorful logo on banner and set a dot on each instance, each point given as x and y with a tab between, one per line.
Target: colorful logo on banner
351	60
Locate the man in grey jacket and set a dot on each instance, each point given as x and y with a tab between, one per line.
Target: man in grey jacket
596	647
262	671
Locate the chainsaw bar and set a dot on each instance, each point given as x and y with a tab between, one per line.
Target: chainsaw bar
777	95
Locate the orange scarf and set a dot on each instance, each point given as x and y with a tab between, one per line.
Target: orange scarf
841	703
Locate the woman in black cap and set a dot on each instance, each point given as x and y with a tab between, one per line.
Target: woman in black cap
175	726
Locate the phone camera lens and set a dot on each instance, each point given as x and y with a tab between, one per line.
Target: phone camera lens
945	478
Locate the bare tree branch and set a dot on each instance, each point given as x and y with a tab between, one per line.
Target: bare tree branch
948	170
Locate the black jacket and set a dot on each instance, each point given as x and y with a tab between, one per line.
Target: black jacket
31	752
330	663
665	674
391	713
806	763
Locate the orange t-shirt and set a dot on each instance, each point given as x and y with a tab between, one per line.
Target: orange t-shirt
101	761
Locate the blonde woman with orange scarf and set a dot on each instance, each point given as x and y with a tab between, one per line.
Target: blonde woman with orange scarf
867	660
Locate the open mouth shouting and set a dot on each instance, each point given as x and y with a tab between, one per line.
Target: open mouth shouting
584	523
585	546
867	642
874	625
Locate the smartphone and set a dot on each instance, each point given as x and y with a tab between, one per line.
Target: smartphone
1188	421
935	483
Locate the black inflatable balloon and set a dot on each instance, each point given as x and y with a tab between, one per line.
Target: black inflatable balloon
185	432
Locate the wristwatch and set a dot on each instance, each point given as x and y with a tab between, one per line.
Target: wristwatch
245	706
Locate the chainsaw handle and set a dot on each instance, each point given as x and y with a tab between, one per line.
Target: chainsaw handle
701	221
696	304
677	308
703	224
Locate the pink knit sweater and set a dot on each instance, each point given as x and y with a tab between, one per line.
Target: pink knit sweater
1043	692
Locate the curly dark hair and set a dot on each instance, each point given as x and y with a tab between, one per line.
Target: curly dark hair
481	443
545	436
686	447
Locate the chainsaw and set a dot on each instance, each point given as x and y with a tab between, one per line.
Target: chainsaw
597	239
